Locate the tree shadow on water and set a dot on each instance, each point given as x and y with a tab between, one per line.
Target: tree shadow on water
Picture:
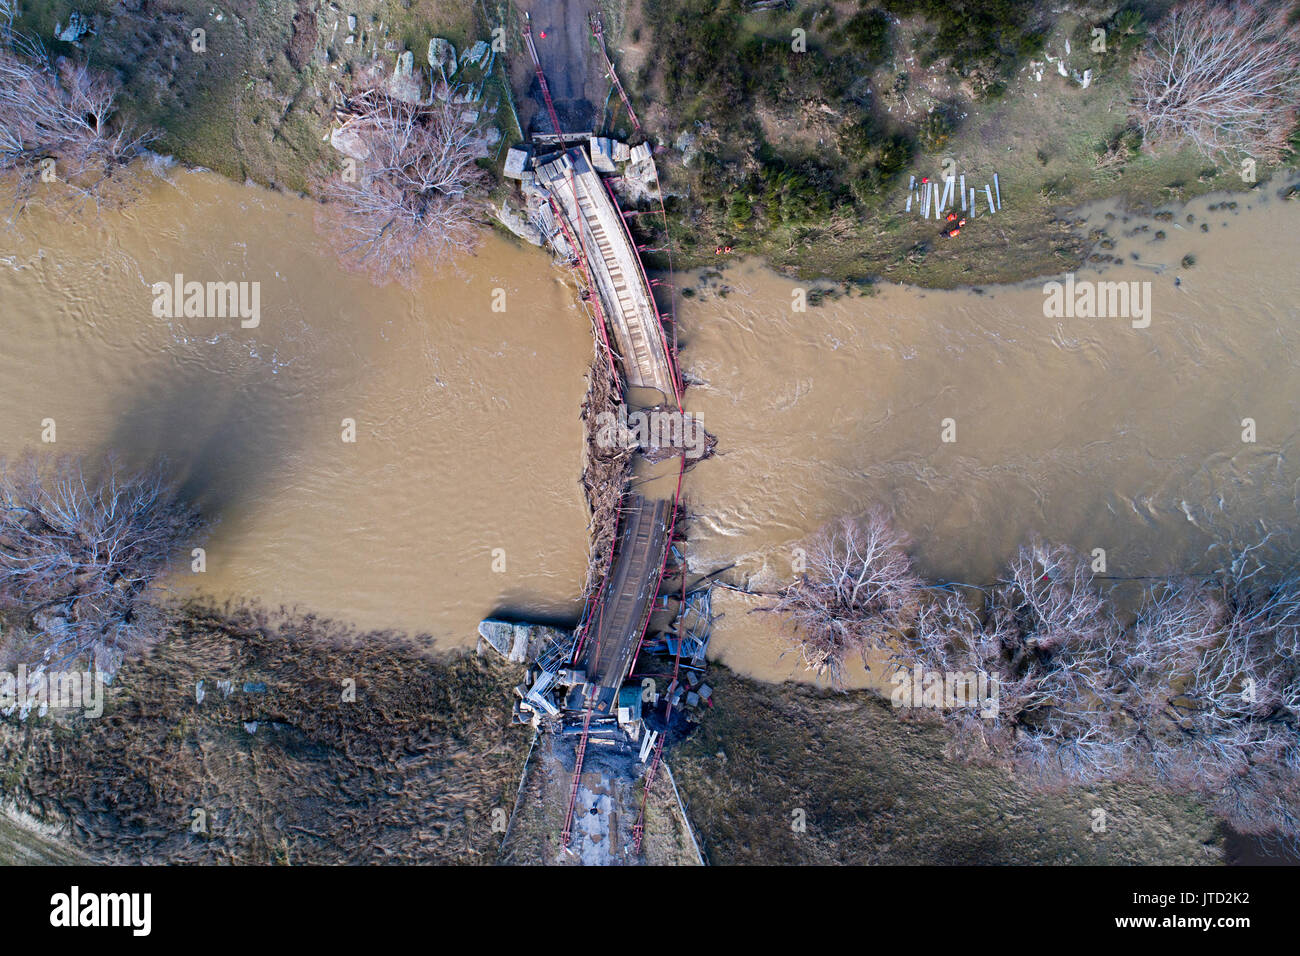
222	434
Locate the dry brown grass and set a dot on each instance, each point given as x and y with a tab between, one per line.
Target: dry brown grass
410	772
874	789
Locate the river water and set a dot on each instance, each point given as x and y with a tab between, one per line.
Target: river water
1086	431
468	437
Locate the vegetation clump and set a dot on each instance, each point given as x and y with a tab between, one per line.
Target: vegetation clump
61	135
1201	691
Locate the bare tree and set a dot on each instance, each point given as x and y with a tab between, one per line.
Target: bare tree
1050	641
1215	693
58	128
1222	76
1201	692
79	552
860	590
411	198
953	637
1049	589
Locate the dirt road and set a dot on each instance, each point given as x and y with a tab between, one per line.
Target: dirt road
562	34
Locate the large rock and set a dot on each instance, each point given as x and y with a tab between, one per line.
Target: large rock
513	219
348	142
442	56
519	642
516	161
78	26
405	84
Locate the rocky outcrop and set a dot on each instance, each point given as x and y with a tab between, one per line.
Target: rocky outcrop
405	84
514	219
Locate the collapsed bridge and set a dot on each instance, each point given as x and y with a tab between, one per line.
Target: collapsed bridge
576	685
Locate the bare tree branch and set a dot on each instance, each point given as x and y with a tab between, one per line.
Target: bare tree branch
79	552
859	590
1221	76
413	197
58	135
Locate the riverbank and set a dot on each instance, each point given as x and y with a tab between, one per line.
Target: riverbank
255	102
791	775
802	173
235	741
805	159
252	737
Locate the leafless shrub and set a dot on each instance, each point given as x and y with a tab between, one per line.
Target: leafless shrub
1050	592
1201	693
1222	76
1215	692
412	198
58	130
79	552
1050	640
951	636
859	590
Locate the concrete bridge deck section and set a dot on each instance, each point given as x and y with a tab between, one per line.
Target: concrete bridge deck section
618	623
614	268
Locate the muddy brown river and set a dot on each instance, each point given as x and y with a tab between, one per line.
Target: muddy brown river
467	431
1087	431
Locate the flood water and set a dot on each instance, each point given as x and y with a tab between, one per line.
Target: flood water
467	430
1085	431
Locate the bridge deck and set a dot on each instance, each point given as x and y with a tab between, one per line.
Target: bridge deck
626	601
615	269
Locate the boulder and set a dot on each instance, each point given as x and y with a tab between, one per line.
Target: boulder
474	54
442	57
348	142
78	26
516	160
521	226
404	84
